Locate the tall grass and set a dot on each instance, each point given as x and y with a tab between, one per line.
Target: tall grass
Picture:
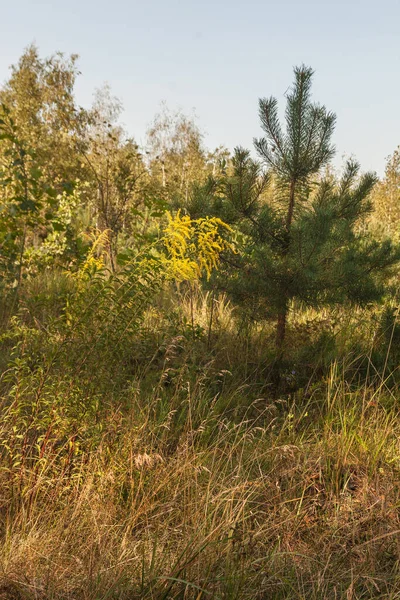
303	504
182	479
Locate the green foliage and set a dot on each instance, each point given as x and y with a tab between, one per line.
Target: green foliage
40	98
28	203
145	448
305	146
385	219
119	190
60	374
177	159
301	238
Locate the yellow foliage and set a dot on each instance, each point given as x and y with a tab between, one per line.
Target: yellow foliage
194	246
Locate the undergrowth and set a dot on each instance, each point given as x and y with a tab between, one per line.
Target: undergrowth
145	453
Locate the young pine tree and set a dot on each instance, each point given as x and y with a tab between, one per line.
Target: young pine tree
301	239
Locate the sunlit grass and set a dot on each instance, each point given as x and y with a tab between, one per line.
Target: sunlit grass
190	478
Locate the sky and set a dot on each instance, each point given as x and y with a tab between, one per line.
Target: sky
216	58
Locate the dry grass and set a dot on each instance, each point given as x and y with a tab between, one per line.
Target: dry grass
188	482
298	502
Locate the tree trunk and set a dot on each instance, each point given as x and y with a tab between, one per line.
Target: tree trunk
282	314
280	332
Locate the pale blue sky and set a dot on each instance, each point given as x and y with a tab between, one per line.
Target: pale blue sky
220	56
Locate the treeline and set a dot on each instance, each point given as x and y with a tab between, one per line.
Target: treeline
287	232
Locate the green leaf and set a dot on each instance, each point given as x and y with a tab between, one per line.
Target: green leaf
57	226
